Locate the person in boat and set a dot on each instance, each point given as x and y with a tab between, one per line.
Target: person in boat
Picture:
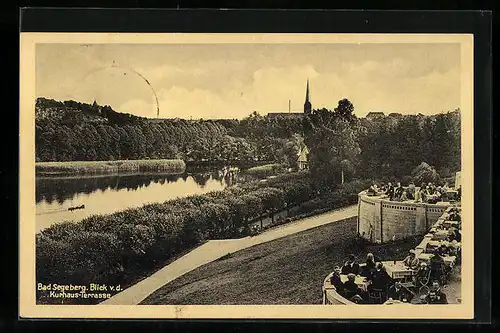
351	289
350	266
336	281
369	267
397	292
435	295
411	260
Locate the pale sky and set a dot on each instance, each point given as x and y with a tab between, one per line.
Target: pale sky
232	80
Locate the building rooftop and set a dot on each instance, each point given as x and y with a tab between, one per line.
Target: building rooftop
375	114
284	114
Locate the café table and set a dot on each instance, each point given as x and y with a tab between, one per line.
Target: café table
361	281
448	260
437	243
444	216
398	270
452	248
423	244
440	235
449	224
395	302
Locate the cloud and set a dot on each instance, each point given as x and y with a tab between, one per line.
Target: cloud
232	81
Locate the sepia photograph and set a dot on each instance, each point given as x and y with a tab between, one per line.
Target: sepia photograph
169	174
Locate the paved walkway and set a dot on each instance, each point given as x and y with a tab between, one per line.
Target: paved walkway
214	249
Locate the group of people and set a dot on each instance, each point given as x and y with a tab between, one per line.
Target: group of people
427	193
436	270
381	282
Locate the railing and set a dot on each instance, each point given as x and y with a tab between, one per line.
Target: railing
381	220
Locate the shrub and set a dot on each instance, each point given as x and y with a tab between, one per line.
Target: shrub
267	170
424	173
122	246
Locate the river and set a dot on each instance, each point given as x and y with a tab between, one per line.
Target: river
108	194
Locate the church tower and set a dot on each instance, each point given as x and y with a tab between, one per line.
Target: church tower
307	104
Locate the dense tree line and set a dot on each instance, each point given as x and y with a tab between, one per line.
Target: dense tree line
394	147
389	147
88	141
339	142
73	131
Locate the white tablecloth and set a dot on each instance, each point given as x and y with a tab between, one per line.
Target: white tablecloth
398	270
361	281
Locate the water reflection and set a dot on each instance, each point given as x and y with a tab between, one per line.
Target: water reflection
107	194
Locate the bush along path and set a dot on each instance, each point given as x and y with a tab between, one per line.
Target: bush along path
124	247
216	249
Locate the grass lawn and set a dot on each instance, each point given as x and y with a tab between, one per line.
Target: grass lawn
289	270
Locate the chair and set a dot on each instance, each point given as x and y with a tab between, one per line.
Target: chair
377	296
440	273
420	283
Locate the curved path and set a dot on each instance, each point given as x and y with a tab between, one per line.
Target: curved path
214	249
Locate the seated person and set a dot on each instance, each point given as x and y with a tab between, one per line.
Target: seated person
398	293
351	290
445	187
437	267
404	197
390	191
380	279
370	266
336	281
418	195
373	190
424	193
350	266
411	260
398	191
442	250
452	234
454	216
435	296
410	193
423	275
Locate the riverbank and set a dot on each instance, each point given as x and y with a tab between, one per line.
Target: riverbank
108	167
120	247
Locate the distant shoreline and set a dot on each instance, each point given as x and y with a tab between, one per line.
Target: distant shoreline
109	167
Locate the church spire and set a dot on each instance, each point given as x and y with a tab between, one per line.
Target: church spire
307	104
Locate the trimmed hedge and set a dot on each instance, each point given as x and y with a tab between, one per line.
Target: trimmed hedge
122	247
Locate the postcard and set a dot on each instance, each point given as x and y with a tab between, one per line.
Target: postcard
309	176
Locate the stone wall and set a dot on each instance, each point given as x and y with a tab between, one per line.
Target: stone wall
381	220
